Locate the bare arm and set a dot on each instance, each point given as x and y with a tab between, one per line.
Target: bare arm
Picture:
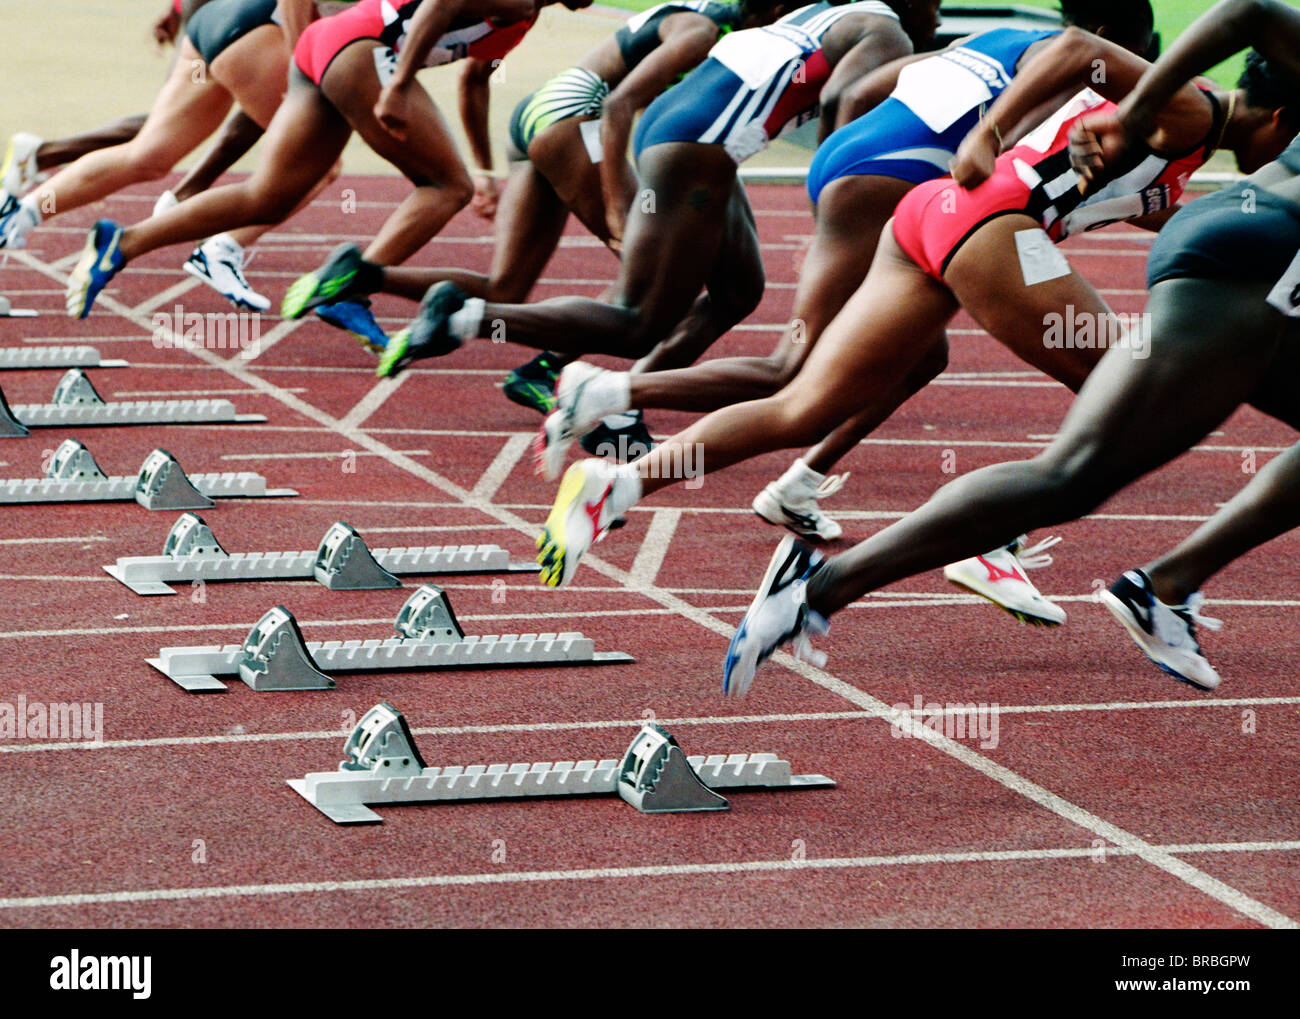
1076	60
429	25
875	47
687	40
475	98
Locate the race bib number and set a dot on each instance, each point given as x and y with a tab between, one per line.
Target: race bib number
590	131
385	64
751	63
940	92
1040	259
1285	296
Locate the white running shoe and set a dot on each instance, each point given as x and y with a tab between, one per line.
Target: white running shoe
779	613
582	398
1000	577
791	501
19	173
17	220
1167	633
166	202
592	496
219	262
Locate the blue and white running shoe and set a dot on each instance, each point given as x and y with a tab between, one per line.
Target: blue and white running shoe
356	318
780	613
1167	633
99	263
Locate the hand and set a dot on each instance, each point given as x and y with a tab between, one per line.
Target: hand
166	27
484	202
976	157
1097	141
391	111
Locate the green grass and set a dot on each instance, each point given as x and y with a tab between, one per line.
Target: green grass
1172	16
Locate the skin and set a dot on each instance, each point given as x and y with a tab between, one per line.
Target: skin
399	122
851	213
191	106
701	215
558	176
867	362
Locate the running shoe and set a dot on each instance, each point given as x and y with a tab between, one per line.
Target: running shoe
219	262
592	496
622	437
1167	633
355	317
100	261
575	412
779	613
330	283
791	501
1000	577
17	220
165	203
429	335
532	385
19	171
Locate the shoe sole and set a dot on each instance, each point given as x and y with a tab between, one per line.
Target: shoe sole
766	507
549	451
516	393
1140	637
555	548
393	354
79	279
204	278
1029	618
310	291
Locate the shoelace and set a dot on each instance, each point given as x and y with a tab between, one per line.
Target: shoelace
832	484
1192	608
1036	556
813	623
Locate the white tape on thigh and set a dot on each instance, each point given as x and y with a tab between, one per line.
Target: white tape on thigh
1040	259
1285	296
385	64
590	131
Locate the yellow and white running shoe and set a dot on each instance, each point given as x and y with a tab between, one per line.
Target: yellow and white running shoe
593	494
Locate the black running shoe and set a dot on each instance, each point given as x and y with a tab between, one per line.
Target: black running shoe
532	385
429	335
625	443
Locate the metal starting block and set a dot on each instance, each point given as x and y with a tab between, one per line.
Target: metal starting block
342	561
274	656
383	766
14	358
161	484
77	403
7	310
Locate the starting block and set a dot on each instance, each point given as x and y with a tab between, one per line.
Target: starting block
76	403
383	766
161	484
342	561
7	310
14	358
274	655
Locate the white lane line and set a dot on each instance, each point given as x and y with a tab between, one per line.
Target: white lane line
502	464
1210	886
172	393
186	284
658	540
46	541
371	402
324	454
665	870
145	743
255	350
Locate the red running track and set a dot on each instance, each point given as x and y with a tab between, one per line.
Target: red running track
1113	796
